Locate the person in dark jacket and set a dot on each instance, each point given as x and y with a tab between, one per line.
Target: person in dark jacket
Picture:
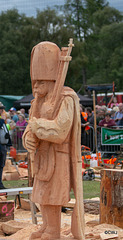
3	153
90	120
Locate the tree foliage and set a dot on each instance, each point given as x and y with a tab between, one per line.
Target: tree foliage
96	28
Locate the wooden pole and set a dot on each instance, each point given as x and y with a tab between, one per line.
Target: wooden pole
30	170
95	122
95	127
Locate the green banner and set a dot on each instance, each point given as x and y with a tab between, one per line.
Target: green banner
111	136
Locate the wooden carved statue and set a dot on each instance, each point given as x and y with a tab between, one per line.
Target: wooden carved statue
53	138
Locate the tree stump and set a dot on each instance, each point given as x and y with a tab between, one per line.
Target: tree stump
111	197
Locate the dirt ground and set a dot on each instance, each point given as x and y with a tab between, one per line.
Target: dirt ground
93	230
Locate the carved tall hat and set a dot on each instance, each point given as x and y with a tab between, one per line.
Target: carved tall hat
45	60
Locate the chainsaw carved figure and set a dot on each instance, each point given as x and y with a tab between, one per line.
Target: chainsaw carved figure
53	139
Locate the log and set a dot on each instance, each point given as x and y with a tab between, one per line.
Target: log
111	197
6	211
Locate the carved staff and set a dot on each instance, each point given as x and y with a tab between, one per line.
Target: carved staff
78	211
64	63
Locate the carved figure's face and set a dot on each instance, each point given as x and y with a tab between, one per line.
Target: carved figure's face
41	88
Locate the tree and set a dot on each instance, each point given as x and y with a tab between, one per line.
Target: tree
101	43
79	14
51	27
97	32
14	56
112	39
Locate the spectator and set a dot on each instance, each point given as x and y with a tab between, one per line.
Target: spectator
107	121
21	123
84	117
18	112
11	125
22	110
114	103
89	136
13	114
103	107
112	114
84	125
119	114
121	122
3	153
98	107
116	109
100	115
90	117
3	113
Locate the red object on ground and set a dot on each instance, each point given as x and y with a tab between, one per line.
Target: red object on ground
23	165
13	152
105	160
83	147
83	164
87	165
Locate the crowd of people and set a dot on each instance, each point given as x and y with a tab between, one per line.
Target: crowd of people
17	120
105	117
14	120
11	121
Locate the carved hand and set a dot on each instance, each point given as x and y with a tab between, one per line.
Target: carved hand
33	124
31	142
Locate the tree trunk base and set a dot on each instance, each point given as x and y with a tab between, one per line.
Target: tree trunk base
111	197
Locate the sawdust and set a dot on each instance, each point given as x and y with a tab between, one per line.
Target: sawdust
92	230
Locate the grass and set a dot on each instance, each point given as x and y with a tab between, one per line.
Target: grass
91	189
16	184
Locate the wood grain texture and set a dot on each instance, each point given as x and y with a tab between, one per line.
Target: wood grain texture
6	211
53	140
111	197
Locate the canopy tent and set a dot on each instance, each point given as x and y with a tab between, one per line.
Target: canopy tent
25	102
105	88
85	100
100	88
8	100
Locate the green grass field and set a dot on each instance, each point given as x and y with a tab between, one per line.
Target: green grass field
91	189
15	184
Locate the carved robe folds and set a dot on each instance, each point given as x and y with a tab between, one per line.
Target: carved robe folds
52	159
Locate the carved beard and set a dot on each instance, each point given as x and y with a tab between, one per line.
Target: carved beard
43	108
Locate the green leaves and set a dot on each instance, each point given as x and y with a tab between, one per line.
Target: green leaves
97	31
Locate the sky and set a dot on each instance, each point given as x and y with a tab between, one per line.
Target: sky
29	6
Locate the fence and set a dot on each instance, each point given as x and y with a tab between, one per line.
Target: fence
16	138
87	139
112	146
